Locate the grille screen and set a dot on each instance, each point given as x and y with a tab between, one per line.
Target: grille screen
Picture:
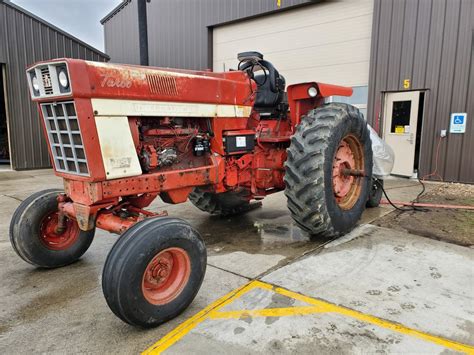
160	84
47	83
65	138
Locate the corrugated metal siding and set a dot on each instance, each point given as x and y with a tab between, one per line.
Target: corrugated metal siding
3	48
26	40
431	43
178	30
121	34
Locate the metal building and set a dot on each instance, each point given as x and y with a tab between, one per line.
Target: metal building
410	62
421	79
179	31
25	39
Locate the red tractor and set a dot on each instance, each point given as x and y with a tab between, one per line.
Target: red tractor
122	135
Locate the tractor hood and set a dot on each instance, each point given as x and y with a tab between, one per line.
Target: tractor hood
87	79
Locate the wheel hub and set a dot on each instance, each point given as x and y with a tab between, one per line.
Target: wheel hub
159	269
347	170
166	275
55	239
344	159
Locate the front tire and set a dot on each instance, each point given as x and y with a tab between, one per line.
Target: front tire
329	142
33	235
154	271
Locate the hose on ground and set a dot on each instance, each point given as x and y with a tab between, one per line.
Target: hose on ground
405	209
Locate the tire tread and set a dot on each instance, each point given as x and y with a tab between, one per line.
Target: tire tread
304	177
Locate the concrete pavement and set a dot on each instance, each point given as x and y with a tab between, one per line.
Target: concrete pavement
375	291
394	277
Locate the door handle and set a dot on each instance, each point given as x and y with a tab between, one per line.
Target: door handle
410	139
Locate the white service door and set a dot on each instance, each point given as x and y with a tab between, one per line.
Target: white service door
327	42
400	126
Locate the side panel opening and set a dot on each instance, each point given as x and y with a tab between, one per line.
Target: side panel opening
5	160
419	125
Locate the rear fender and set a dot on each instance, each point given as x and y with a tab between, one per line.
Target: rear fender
300	102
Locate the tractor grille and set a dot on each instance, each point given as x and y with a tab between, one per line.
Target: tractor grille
47	82
162	84
65	138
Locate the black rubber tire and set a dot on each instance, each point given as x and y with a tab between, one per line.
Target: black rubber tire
25	233
308	175
223	204
375	194
128	259
19	211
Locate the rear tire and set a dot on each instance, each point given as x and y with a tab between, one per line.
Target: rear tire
222	204
316	200
33	237
154	271
375	194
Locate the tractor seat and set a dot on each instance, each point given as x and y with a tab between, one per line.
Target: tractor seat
266	98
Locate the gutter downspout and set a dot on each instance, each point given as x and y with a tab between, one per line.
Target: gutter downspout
143	31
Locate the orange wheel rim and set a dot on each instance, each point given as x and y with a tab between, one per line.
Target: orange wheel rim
349	156
54	240
166	275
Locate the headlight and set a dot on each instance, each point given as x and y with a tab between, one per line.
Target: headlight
49	79
35	83
63	79
312	91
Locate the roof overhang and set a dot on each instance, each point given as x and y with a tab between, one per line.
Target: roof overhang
115	11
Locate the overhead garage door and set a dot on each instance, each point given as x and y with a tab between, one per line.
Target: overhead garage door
327	42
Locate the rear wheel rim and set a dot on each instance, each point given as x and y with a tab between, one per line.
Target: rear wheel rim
54	240
349	155
166	275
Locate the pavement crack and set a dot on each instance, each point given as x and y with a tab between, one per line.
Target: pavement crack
288	261
230	272
13	197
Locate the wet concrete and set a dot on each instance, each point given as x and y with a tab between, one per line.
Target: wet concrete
63	310
266	230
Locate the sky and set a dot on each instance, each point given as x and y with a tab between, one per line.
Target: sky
81	18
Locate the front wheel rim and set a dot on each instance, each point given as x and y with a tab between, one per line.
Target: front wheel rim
349	155
166	275
53	240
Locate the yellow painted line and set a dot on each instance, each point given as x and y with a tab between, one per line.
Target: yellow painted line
185	327
317	306
266	312
450	344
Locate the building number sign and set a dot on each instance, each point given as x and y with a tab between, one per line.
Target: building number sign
406	83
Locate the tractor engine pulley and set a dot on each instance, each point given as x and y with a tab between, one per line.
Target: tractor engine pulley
151	159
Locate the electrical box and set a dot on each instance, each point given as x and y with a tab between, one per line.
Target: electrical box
237	142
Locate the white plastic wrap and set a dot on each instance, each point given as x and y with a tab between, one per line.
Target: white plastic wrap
384	157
